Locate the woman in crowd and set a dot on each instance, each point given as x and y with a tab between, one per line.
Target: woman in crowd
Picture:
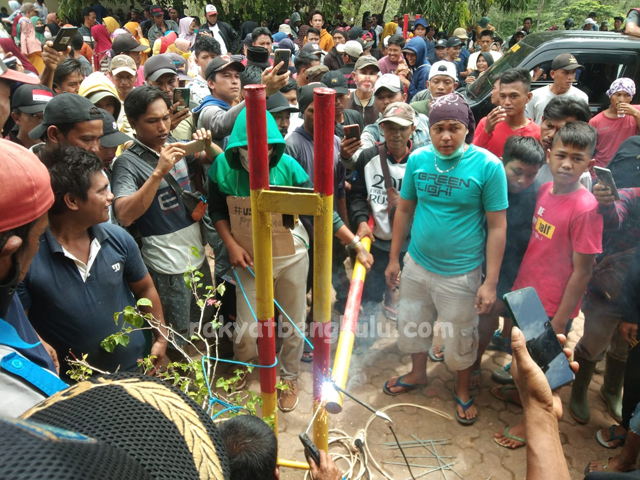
135	30
111	24
485	60
102	47
9	47
30	46
188	30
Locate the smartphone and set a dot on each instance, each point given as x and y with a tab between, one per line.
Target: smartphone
63	38
310	448
352	131
528	314
605	178
11	62
282	55
181	96
192	147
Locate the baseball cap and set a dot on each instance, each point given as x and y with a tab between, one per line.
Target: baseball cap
305	95
389	81
312	48
248	40
590	21
453	42
156	10
442	43
158	65
123	63
218	64
11	75
368	19
26	192
444	68
111	136
125	43
135	10
65	108
336	81
366	40
365	61
355	32
315	73
181	66
461	33
279	103
565	61
31	98
353	48
210	9
399	113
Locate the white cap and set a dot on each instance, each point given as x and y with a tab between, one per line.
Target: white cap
444	68
210	9
389	81
352	48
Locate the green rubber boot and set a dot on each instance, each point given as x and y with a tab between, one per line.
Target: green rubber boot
579	406
611	390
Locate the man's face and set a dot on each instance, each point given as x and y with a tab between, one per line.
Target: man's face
396	136
173	13
283	121
135	17
549	128
394	52
225	85
441	85
430	33
338	39
108	104
90	21
420	31
495	93
313	38
5	101
340	104
485	43
520	175
167	83
307	118
263	41
617	24
137	58
95	209
212	18
410	57
513	98
441	53
526	25
567	163
563	78
71	84
159	20
384	97
123	82
454	52
291	97
27	121
317	21
447	136
203	59
107	154
152	128
83	135
366	78
620	97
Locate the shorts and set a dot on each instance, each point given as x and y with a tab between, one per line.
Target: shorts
425	297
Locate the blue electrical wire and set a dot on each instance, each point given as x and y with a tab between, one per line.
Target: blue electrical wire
244	294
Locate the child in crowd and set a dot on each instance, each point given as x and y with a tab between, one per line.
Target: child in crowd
567	235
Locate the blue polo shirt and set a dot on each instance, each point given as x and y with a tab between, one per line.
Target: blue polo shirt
71	314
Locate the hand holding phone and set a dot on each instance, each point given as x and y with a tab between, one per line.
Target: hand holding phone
310	448
192	147
352	131
282	55
606	178
63	38
181	96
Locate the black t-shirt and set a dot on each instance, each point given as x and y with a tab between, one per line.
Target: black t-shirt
351	117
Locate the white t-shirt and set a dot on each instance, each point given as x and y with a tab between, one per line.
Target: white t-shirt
218	36
474	58
542	96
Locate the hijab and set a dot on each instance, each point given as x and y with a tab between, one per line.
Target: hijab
162	44
185	23
133	28
54	28
389	29
488	57
102	43
29	43
9	46
111	24
183	48
39	35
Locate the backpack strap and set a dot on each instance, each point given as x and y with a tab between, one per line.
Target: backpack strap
382	150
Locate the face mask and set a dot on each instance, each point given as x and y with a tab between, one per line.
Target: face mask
458	153
40	29
244	156
47	34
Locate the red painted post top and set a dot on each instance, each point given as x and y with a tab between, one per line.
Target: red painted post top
405	25
324	126
256	104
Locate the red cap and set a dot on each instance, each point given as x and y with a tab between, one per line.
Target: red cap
13	76
26	192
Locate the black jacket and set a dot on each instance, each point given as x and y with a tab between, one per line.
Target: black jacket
230	36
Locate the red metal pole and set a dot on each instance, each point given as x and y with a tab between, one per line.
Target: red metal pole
324	125
405	25
256	104
418	16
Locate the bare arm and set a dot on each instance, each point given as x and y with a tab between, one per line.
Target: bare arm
401	222
496	241
51	59
632	29
582	270
238	256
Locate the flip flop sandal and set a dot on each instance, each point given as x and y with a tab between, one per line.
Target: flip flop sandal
502	393
476	373
307	357
399	383
612	436
465	407
510	437
390	313
433	357
605	468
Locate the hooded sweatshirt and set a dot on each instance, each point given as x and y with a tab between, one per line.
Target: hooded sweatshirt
420	71
326	40
98	86
227	176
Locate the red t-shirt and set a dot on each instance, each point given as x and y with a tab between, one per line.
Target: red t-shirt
562	224
611	133
495	142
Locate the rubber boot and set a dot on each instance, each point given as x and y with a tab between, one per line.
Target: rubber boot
611	390
579	406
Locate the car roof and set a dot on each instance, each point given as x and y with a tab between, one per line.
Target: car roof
581	37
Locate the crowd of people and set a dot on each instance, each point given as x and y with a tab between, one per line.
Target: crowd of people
103	204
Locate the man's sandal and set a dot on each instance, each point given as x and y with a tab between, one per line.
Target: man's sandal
432	354
612	437
605	468
399	383
510	437
465	406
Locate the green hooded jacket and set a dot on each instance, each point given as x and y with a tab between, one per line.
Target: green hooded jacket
227	176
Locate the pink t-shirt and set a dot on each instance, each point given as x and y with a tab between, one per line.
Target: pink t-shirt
562	224
611	133
494	142
386	65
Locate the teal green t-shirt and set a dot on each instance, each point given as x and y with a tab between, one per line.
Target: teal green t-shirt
448	236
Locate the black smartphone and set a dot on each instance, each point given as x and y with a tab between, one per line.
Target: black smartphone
352	131
310	448
282	55
181	96
606	178
528	314
63	38
11	62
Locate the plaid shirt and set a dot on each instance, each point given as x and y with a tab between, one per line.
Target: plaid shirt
621	223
